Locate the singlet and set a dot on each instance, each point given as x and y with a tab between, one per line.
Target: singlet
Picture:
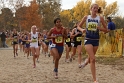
68	40
45	38
59	40
91	27
77	38
27	42
34	38
15	37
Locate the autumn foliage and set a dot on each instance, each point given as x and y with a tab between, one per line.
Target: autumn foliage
28	16
83	8
42	13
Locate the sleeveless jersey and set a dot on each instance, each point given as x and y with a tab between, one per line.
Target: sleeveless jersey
45	38
68	40
15	37
34	38
59	40
27	42
77	38
91	27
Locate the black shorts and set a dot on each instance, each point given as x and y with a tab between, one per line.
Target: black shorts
14	43
77	43
69	44
39	44
23	42
47	43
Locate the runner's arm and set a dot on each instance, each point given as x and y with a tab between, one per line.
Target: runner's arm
64	33
104	29
72	33
49	35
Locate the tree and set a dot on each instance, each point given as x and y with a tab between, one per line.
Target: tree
65	16
119	22
108	10
49	9
6	18
28	16
83	6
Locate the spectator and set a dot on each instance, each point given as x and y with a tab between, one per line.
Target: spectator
111	25
123	41
3	39
111	30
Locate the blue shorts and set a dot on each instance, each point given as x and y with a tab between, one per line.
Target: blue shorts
92	42
27	45
20	40
59	48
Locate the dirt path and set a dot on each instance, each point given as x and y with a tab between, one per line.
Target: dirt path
20	70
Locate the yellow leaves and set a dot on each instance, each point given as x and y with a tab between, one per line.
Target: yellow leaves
66	17
111	9
102	3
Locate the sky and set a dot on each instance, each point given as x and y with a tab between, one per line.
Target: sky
69	4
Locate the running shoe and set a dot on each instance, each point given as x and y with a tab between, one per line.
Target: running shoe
55	75
37	61
84	64
70	59
96	82
34	66
48	54
79	65
53	61
67	60
45	54
16	54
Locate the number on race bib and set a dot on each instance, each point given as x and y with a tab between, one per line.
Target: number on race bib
15	40
34	40
92	26
27	42
78	39
59	39
46	40
68	40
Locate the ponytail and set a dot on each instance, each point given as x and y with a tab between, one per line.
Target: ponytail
100	10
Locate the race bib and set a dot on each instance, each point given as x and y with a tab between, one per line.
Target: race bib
34	40
53	45
92	26
68	40
59	39
27	42
78	39
15	40
46	40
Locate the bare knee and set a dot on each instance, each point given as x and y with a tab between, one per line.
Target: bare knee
79	53
92	60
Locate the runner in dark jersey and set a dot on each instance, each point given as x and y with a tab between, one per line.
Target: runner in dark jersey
68	45
77	41
15	42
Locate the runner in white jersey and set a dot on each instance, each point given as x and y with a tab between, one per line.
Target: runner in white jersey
33	38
